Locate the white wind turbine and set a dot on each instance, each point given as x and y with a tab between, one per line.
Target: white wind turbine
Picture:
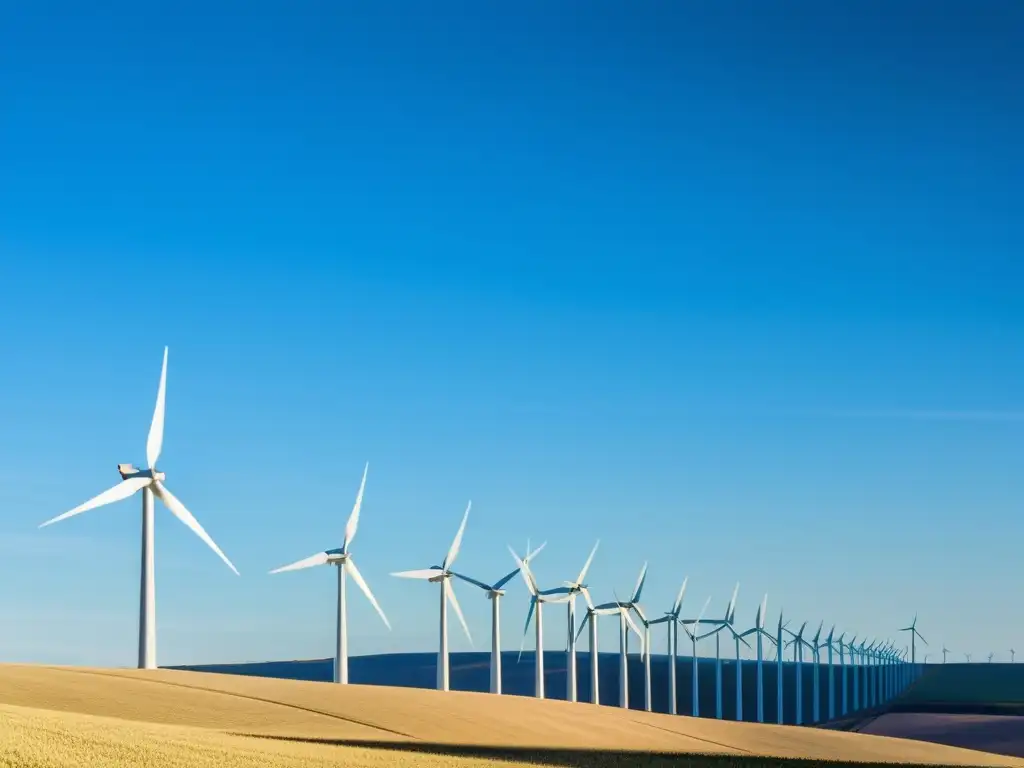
150	482
758	630
537	601
625	622
572	588
693	635
591	618
494	593
671	619
342	558
722	624
442	574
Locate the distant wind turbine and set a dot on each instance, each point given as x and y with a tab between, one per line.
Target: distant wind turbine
342	558
759	631
914	635
829	645
442	574
945	651
968	657
625	623
572	588
671	620
693	635
536	613
721	624
1012	654
150	482
494	593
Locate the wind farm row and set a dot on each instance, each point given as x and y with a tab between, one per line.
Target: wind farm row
869	671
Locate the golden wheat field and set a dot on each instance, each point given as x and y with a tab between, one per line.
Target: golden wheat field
70	716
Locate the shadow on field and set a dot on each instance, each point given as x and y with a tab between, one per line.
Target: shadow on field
578	758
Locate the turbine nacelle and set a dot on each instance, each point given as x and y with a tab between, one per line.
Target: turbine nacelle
127	471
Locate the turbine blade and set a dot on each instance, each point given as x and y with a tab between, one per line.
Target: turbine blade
524	570
586	565
526	627
639	584
700	616
423	573
678	604
583	624
474	582
504	579
530	555
732	602
632	625
320	558
122	490
920	637
450	592
453	551
763	615
353	518
155	441
179	511
357	577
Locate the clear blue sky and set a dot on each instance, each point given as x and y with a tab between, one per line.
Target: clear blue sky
735	289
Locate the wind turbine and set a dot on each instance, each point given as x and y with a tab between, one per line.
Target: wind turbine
856	665
150	482
779	648
798	644
914	634
828	645
442	574
816	647
990	657
591	618
573	588
720	624
342	558
968	657
842	670
692	634
625	622
494	593
945	651
671	619
1012	654
758	630
537	601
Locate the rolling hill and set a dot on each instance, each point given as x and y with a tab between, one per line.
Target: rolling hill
56	716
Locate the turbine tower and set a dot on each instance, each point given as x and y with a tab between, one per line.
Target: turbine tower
494	593
759	631
150	482
945	652
442	574
671	619
572	588
342	558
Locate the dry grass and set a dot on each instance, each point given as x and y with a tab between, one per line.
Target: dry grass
57	716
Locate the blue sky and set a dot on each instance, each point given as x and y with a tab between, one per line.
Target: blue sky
735	289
